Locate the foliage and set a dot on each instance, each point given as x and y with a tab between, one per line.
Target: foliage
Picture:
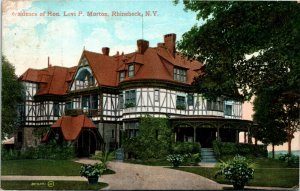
269	130
185	148
228	31
130	104
290	159
181	107
104	157
224	149
175	159
190	152
237	171
154	134
40	131
50	150
12	91
92	170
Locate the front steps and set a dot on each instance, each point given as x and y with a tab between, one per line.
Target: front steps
207	155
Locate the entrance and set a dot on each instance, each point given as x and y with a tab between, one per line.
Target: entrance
86	144
205	136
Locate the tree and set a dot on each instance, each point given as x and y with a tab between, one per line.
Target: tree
248	48
269	31
11	96
269	130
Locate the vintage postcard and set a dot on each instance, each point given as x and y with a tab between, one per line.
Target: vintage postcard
103	98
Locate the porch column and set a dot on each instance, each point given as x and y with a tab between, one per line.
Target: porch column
237	140
175	135
218	134
245	137
194	134
249	137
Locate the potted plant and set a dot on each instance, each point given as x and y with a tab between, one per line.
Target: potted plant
237	170
92	172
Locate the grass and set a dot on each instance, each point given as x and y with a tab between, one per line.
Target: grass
42	168
50	185
267	173
151	162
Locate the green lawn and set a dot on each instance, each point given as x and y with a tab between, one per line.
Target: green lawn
273	177
42	168
50	185
151	162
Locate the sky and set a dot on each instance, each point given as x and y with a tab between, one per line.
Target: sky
27	41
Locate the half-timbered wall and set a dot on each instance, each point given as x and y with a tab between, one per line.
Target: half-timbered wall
162	102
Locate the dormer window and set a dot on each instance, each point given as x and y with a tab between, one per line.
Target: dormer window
180	75
130	70
122	76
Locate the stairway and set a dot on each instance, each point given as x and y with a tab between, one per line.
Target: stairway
207	155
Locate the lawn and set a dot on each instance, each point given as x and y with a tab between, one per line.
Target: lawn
42	168
271	177
151	162
50	185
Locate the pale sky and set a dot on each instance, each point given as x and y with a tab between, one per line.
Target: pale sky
29	40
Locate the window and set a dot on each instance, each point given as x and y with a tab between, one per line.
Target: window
94	101
228	110
68	105
131	129
130	70
56	109
85	102
121	101
215	105
180	75
122	76
180	102
156	95
190	99
130	98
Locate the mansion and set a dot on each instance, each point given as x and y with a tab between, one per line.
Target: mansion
105	95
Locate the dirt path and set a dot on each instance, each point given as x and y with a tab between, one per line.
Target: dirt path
133	177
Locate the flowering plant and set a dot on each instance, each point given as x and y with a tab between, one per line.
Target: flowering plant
175	159
237	171
92	170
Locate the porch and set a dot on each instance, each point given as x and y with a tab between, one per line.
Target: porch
205	130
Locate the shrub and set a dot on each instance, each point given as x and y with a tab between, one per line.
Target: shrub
9	154
104	157
229	149
237	171
290	159
185	148
175	159
153	141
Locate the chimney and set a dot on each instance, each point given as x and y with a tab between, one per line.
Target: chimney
142	45
105	51
170	40
49	65
160	44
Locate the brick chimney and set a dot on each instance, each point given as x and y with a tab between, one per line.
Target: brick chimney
105	51
170	41
142	45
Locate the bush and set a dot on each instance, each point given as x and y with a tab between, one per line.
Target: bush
175	159
51	150
153	141
185	148
230	149
104	157
237	171
290	159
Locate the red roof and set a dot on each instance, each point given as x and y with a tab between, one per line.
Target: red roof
152	63
52	80
71	125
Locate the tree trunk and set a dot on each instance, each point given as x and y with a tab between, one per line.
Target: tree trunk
289	145
273	151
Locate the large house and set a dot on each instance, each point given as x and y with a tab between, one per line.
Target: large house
91	103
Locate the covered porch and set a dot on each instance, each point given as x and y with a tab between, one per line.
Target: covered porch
205	130
78	129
